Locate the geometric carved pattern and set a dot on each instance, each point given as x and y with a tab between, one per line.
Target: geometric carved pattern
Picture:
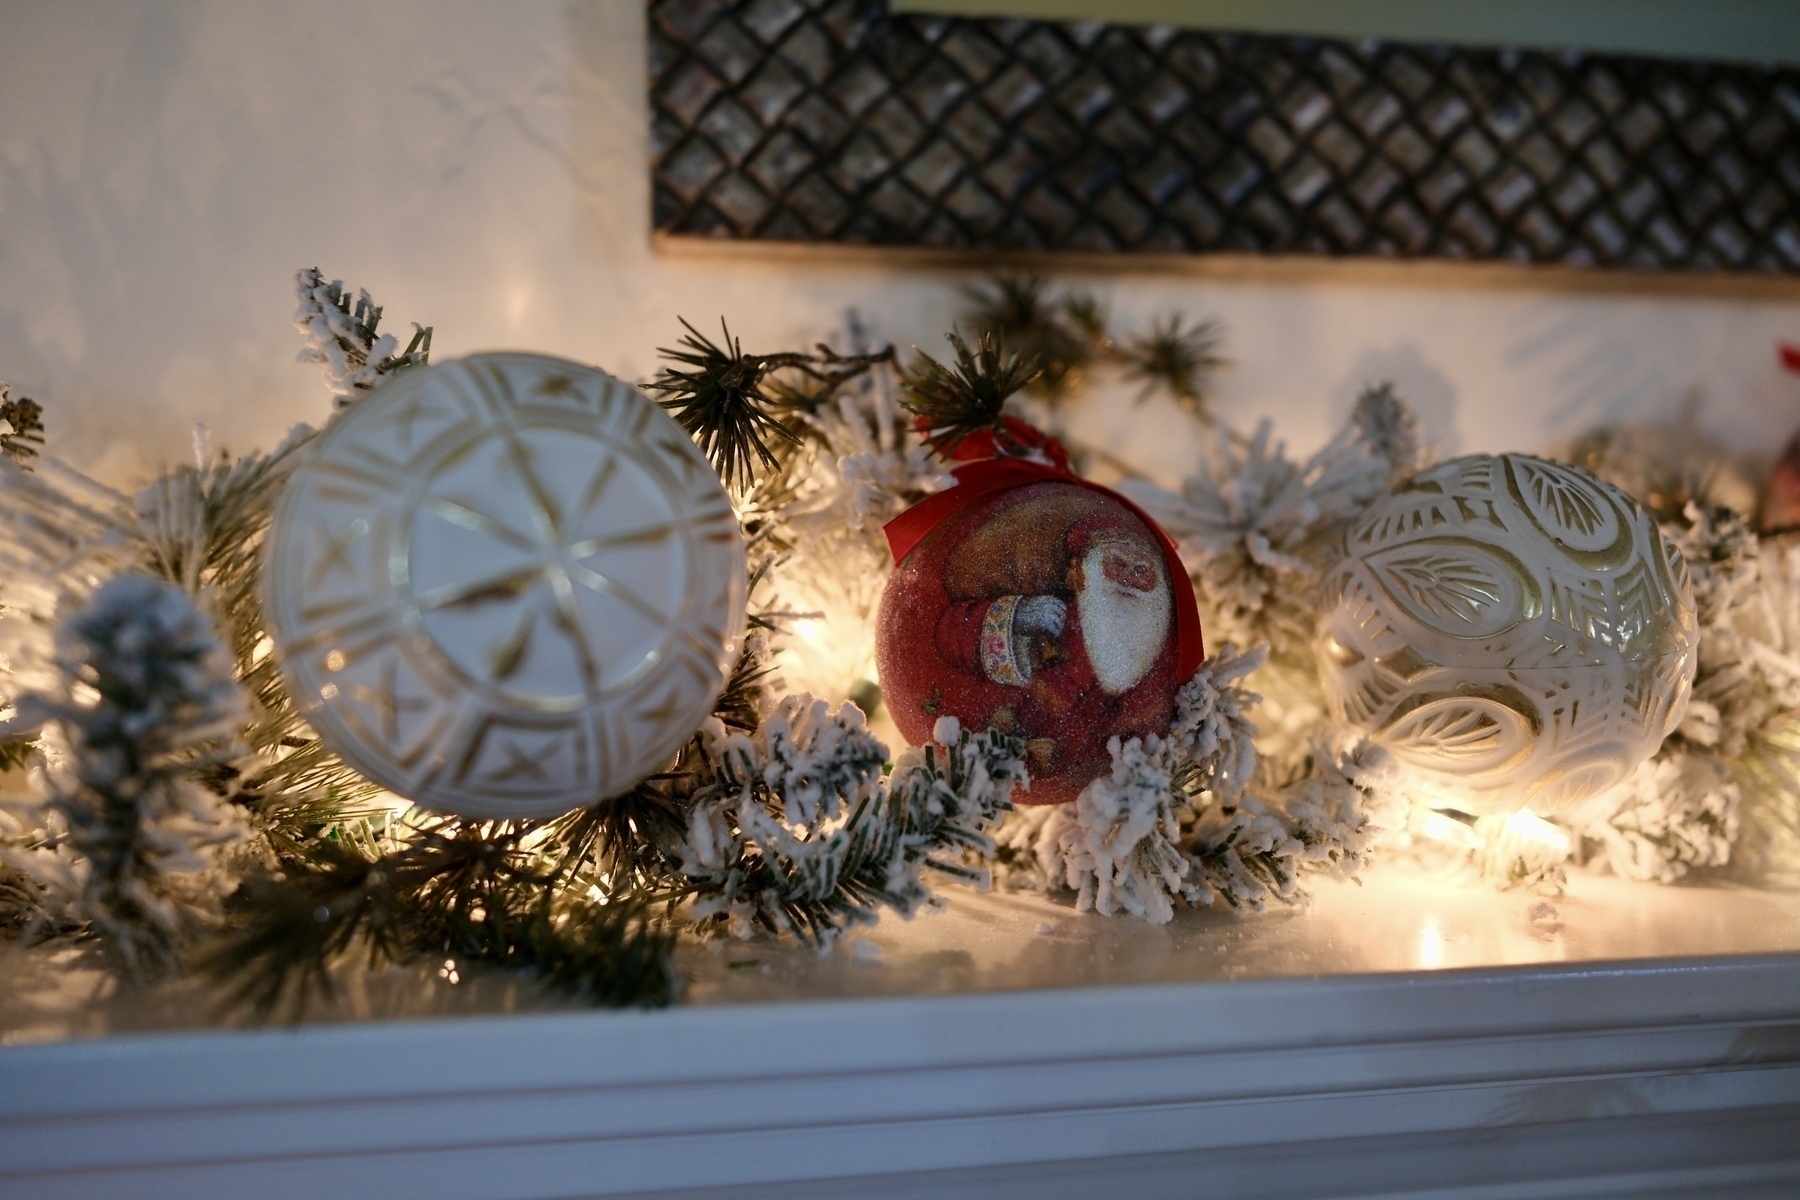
506	586
832	121
1514	631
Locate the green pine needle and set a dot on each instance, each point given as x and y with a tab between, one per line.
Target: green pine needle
24	431
469	893
1179	358
727	401
967	397
721	403
15	753
1061	336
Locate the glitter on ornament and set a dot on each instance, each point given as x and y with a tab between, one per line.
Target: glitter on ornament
1035	603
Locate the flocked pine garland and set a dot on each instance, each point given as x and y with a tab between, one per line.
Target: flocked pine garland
180	813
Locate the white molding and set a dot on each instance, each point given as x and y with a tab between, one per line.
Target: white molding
1404	1083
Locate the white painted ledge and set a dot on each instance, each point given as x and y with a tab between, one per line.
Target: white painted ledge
947	1069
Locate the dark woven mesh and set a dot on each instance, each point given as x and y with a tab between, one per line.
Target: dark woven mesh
829	121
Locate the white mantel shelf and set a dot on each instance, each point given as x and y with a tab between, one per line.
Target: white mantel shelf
1403	1038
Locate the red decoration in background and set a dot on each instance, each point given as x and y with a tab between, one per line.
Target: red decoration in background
1780	510
1031	600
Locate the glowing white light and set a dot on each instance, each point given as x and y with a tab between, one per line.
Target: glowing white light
811	629
1532	829
1450	831
1431	947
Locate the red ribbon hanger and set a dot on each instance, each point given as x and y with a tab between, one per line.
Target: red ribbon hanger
991	467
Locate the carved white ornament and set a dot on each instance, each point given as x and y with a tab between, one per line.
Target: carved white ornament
505	587
1515	631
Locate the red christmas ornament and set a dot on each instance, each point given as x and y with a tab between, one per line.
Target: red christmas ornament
1030	600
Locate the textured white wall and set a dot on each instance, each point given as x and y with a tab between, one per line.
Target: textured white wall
164	168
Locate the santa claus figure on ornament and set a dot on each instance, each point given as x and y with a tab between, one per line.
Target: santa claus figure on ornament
1046	607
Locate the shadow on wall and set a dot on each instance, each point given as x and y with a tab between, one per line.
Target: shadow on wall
1425	389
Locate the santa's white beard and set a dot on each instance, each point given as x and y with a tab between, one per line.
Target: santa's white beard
1123	629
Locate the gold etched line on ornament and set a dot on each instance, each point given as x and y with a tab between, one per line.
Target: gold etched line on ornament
607	586
494	388
698	659
602	476
1364	700
568	618
557	386
1406	663
1643	608
476	521
456	732
667	709
378	478
619	738
341	612
483	589
702	668
547	516
1568	512
505	659
358	498
1673	566
712	524
1482	729
385	698
1487	514
336	550
678	452
636	415
411	408
1457	586
1340	655
345	621
647	536
518	764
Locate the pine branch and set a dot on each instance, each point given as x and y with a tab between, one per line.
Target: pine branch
203	528
740	705
795	831
346	339
21	427
726	400
15	753
146	702
967	397
1059	336
468	893
21	901
1065	334
1179	358
1388	427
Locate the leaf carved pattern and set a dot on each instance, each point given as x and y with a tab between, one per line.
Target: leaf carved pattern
1461	589
1513	630
1463	734
1566	506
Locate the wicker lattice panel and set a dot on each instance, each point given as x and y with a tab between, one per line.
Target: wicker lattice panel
831	121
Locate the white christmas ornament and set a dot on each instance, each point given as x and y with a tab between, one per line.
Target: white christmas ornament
1515	631
505	587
